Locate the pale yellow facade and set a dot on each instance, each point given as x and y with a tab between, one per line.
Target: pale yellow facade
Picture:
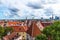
23	34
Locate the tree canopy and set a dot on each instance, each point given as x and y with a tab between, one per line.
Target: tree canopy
4	31
52	32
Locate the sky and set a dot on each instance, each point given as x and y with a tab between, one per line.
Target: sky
22	9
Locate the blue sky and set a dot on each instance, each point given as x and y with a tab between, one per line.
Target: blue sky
20	9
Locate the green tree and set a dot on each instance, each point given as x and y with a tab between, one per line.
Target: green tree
52	32
8	29
4	31
41	37
1	31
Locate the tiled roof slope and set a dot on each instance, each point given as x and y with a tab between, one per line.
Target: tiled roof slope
20	28
33	30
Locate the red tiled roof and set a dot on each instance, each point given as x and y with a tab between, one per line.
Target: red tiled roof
9	37
33	30
46	23
20	28
13	23
1	22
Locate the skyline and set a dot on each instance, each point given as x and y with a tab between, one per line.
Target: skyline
20	9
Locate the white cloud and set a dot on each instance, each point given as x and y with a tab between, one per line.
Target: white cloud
25	11
7	13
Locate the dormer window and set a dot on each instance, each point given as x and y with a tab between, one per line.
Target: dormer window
4	24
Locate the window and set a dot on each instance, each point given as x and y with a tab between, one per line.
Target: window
4	24
23	36
12	38
17	34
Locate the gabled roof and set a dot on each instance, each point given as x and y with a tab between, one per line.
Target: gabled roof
1	22
40	26
20	28
46	23
11	36
14	23
33	30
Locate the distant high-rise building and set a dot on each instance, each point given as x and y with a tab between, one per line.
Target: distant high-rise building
56	18
50	18
41	18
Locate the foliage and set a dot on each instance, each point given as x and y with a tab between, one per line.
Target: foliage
8	29
52	31
3	31
41	37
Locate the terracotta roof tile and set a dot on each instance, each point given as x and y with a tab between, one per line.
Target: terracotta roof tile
20	28
33	30
12	35
46	24
13	23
